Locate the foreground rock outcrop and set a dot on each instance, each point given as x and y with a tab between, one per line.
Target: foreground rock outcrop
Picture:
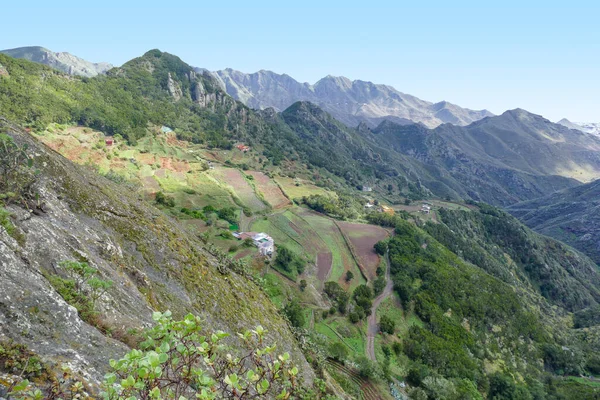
152	262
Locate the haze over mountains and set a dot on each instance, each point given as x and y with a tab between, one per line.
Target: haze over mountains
351	102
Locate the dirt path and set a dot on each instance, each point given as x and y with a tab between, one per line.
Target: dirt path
373	327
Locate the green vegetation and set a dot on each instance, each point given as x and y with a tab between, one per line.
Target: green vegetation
16	174
81	289
288	262
341	207
338	295
387	325
295	313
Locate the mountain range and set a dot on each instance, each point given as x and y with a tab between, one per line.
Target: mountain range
62	61
350	102
485	307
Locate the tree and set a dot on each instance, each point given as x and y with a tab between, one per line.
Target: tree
387	325
303	284
294	313
381	247
379	285
180	360
349	276
366	369
338	351
363	297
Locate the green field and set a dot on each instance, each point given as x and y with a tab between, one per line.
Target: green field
298	188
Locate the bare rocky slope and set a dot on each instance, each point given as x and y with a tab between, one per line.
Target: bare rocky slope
152	262
62	61
351	102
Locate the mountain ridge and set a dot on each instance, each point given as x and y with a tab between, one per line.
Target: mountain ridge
350	101
62	61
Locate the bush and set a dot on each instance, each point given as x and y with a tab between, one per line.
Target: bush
199	364
289	261
164	200
295	313
366	369
349	276
338	351
387	325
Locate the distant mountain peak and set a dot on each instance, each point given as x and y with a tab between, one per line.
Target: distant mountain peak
349	101
61	61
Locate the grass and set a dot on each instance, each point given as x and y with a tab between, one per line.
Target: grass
288	185
339	329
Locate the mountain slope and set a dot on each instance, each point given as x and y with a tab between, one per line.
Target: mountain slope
154	264
501	159
351	102
572	216
587	127
62	61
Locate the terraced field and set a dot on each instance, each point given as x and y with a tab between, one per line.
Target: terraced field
342	259
270	190
297	188
239	185
367	389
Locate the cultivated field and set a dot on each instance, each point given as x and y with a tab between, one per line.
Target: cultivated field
362	238
270	190
240	186
330	234
304	188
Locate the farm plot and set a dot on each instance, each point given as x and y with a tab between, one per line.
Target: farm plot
270	190
297	188
362	238
342	259
240	187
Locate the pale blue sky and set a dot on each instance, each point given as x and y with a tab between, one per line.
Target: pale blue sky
543	56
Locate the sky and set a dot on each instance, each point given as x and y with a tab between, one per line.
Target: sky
543	56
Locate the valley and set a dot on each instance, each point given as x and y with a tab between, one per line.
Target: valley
391	276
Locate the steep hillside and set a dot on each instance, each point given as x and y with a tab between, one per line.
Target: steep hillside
79	216
62	61
501	159
351	102
572	216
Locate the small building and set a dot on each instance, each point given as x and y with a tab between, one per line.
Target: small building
264	242
109	142
243	148
166	129
367	189
369	205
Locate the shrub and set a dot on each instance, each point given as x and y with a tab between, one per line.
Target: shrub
387	325
164	200
295	314
349	276
338	351
180	359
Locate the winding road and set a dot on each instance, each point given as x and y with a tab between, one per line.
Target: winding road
373	326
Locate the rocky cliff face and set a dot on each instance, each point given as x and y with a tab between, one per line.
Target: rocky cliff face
62	61
152	262
351	102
